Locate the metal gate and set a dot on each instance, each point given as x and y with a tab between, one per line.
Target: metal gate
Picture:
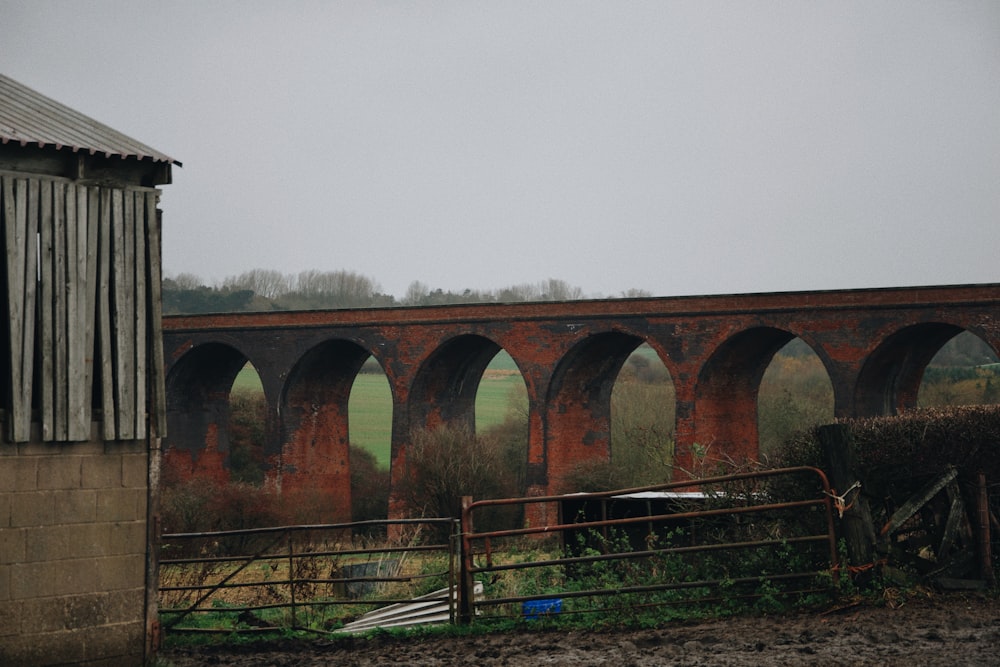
717	542
313	577
635	555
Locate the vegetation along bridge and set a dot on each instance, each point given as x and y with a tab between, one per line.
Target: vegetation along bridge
874	344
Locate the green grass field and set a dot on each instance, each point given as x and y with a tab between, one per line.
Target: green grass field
370	408
370	415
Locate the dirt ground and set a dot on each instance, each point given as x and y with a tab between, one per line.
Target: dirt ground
927	630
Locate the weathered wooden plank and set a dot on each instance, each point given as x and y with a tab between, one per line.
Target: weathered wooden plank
83	288
105	331
14	288
983	531
46	278
13	210
140	342
74	356
30	287
68	287
157	380
956	512
77	320
60	209
8	213
126	322
89	296
120	318
911	506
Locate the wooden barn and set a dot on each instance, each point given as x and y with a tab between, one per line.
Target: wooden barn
82	398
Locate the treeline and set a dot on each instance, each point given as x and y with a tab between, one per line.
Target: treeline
264	290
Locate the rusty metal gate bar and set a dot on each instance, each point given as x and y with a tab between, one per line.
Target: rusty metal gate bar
469	607
272	550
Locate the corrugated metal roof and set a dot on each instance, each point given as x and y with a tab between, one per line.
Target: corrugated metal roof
28	117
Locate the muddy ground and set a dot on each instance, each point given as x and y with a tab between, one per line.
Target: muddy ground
925	630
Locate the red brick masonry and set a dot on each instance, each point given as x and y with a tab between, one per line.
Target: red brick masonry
874	344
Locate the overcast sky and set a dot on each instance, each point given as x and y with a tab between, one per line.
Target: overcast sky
674	147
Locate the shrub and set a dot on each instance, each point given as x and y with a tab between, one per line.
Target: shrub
594	475
642	433
238	505
201	505
906	449
369	486
248	417
925	442
449	462
184	506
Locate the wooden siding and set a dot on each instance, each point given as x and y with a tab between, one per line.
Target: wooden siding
82	275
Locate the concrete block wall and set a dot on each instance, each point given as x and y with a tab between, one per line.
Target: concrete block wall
73	553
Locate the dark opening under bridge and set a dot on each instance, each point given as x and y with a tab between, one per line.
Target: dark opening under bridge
874	344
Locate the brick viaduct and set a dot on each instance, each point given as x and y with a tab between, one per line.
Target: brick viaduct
873	343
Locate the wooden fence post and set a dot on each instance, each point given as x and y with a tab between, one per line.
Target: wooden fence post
983	516
856	525
466	585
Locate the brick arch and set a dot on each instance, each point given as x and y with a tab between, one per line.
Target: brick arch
442	391
445	384
800	411
890	377
314	430
669	363
197	389
726	393
578	404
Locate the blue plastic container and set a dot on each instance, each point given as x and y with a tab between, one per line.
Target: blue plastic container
534	609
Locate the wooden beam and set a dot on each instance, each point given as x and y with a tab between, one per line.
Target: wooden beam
125	319
983	531
15	290
60	197
157	374
74	330
956	513
121	414
16	214
139	340
47	277
105	331
30	289
911	506
89	297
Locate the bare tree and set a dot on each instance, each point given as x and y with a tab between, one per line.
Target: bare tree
344	289
449	462
558	290
635	293
415	293
262	282
187	281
